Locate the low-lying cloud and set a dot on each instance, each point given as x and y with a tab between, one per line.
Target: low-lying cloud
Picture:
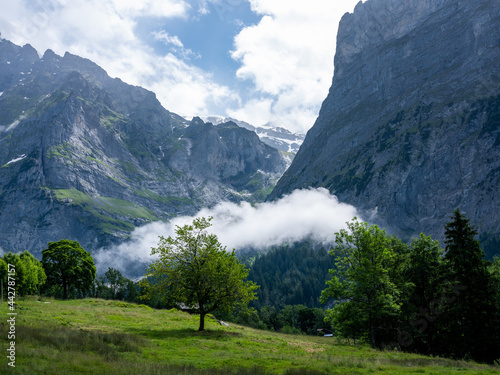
312	213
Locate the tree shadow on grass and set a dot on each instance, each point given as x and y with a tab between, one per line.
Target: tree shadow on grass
107	344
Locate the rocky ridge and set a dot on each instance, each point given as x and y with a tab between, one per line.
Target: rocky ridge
87	157
410	127
274	136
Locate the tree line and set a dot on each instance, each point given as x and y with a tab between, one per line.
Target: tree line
415	297
290	274
66	271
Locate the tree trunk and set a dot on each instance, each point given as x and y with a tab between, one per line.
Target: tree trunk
372	336
65	290
372	330
202	321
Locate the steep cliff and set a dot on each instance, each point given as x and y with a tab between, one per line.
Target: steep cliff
410	127
87	157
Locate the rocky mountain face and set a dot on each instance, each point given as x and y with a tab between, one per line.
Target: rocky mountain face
274	136
410	128
87	157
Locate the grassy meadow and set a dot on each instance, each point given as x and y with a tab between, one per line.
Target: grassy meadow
94	336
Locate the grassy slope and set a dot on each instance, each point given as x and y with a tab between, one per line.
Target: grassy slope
108	337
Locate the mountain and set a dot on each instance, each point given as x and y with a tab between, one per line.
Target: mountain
410	128
274	136
87	157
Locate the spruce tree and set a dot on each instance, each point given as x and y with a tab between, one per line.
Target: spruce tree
467	327
423	271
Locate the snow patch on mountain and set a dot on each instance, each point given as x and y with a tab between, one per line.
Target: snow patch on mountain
275	136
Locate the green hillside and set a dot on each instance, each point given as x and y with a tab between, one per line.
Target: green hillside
94	336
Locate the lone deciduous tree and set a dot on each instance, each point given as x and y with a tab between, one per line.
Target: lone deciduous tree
363	294
68	265
195	270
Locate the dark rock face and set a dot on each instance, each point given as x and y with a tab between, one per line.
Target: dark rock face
411	123
88	158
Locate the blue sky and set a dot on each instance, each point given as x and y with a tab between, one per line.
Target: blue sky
256	60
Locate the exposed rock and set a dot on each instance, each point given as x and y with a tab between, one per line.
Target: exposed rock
411	125
274	136
89	158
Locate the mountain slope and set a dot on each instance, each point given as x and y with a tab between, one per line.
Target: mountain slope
410	128
276	137
87	157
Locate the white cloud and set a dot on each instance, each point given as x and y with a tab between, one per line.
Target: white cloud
289	57
175	45
168	39
304	213
154	8
312	213
203	7
104	32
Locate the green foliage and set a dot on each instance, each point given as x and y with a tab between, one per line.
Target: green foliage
364	295
417	298
69	267
423	271
29	274
194	269
248	317
297	319
290	275
494	269
113	285
471	320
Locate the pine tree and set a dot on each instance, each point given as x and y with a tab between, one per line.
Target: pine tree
423	270
467	324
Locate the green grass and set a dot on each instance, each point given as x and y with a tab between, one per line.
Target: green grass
62	150
105	204
94	336
104	210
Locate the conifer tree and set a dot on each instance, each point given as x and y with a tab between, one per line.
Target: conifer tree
423	270
468	326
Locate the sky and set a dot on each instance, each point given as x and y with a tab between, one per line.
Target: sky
260	61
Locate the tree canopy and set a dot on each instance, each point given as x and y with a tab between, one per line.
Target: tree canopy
363	292
469	321
69	266
113	285
29	273
417	297
291	274
194	269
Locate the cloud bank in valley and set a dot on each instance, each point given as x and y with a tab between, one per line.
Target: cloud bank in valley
312	213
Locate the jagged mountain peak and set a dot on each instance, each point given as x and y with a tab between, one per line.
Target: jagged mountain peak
374	22
410	126
88	157
275	136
